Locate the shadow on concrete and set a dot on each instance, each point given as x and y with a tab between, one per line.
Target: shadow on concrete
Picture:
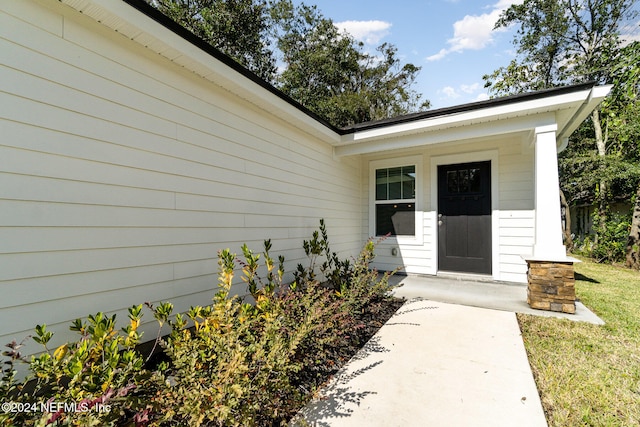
339	399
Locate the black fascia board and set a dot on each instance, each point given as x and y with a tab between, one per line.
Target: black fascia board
153	13
505	100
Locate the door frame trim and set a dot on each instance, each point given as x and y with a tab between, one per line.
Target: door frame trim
469	157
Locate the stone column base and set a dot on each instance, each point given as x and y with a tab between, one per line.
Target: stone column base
551	286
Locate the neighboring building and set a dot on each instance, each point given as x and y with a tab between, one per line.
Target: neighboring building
582	217
131	152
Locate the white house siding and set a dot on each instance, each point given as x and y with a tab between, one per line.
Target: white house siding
122	175
515	214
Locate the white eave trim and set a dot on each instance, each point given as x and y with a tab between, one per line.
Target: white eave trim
596	95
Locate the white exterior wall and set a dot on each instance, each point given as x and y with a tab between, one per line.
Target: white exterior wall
122	175
513	214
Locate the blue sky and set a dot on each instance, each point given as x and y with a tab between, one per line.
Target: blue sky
452	40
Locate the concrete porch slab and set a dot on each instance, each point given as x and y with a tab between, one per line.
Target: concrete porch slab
481	293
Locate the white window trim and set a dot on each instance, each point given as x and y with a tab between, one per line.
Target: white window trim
477	156
418	238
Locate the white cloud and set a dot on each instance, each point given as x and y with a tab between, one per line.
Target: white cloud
629	38
449	92
468	92
370	32
438	56
470	88
473	32
482	97
503	4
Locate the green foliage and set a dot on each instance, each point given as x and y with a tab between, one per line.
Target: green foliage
330	73
365	286
241	364
8	384
233	365
611	242
98	374
229	363
560	42
239	28
326	71
581	174
250	266
336	272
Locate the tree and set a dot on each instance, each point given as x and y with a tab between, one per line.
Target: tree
562	42
623	108
330	73
239	28
325	70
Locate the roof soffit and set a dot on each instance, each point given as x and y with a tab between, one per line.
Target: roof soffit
532	108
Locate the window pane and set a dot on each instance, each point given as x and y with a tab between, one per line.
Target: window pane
463	180
452	181
395	183
474	180
397	219
409	182
381	184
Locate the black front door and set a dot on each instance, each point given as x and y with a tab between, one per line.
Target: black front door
464	217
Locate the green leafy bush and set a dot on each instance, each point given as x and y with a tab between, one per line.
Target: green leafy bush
336	272
611	241
229	363
96	376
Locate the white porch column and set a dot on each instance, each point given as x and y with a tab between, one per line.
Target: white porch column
548	234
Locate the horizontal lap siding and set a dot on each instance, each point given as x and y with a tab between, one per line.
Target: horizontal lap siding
517	215
122	175
411	259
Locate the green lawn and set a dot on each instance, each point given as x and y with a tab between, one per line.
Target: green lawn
589	375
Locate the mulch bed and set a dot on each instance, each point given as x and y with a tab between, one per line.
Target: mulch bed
313	377
371	320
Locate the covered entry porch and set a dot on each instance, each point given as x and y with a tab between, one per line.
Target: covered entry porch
469	189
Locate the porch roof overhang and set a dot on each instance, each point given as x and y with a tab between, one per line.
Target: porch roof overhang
565	107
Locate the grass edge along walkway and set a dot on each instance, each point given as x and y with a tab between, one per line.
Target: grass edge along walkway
589	375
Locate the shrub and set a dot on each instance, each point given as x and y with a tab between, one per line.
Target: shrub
611	240
233	364
98	374
337	272
229	363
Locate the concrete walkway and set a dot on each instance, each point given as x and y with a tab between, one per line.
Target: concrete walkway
443	359
480	293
